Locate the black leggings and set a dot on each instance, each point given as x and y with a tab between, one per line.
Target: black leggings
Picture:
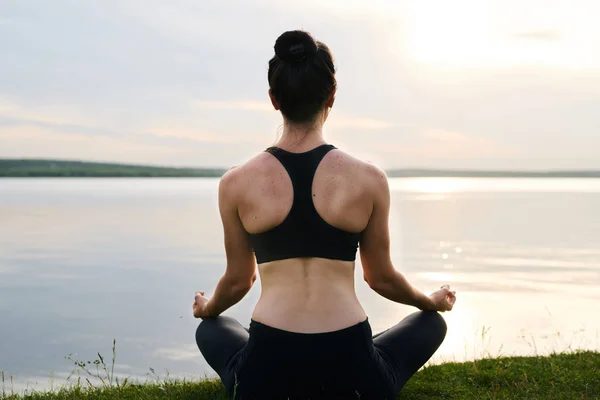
270	363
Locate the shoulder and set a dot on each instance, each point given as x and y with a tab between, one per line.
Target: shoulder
377	182
239	177
372	176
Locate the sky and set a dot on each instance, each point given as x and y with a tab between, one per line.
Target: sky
498	84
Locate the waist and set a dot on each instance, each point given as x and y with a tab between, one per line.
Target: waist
289	349
293	313
263	333
309	320
308	295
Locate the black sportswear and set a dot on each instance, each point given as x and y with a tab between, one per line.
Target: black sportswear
303	233
265	363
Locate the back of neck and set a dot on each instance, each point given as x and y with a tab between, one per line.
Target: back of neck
299	138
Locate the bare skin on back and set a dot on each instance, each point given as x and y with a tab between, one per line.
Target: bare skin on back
306	294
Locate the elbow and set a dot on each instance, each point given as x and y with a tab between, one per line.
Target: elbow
375	283
242	285
378	272
381	279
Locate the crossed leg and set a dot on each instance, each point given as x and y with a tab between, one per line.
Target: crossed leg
219	340
409	344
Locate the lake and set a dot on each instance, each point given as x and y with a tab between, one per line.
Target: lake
86	261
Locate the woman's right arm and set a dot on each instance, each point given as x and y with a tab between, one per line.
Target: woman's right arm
379	272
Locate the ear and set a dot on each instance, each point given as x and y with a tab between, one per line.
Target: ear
331	98
273	101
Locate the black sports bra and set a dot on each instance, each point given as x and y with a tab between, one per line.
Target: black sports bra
303	233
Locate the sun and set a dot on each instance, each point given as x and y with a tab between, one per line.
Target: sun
447	32
478	33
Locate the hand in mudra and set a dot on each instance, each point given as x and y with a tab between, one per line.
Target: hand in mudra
443	299
200	305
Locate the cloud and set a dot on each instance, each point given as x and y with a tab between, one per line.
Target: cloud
341	120
187	135
63	120
546	36
33	141
439	144
127	71
441	135
337	119
49	114
231	105
196	136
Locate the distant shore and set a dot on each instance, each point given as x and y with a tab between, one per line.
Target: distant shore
37	168
74	169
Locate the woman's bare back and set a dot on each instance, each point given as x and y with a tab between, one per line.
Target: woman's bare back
306	294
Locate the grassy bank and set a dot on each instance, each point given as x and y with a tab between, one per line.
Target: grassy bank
561	376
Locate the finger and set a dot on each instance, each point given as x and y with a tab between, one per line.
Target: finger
445	287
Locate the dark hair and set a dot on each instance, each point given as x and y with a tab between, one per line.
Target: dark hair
301	75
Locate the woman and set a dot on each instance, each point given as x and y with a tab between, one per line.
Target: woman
299	211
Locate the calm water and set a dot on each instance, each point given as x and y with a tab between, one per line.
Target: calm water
84	261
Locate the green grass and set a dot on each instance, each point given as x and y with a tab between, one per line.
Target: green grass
561	376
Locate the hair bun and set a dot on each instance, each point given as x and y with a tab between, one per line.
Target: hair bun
295	46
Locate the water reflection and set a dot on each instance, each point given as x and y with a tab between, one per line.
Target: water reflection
438	186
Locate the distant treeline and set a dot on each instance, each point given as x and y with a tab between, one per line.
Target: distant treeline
55	168
52	168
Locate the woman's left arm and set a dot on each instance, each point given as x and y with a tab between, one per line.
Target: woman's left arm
240	272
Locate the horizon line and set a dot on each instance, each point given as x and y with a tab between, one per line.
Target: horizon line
389	170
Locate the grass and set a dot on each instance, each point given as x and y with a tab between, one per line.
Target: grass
574	375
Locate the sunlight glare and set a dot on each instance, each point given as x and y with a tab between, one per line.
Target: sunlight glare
459	321
473	33
437	276
428	185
